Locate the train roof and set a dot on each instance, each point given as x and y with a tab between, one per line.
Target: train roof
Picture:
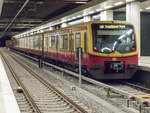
85	23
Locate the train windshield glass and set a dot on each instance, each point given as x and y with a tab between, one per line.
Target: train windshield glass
108	38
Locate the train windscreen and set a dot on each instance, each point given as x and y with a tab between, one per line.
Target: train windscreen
108	38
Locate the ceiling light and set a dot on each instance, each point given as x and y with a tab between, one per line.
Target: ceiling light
81	2
147	8
118	3
91	12
130	0
69	19
141	9
78	16
84	14
74	17
99	9
107	7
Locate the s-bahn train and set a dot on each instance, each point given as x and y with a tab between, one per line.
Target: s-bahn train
109	48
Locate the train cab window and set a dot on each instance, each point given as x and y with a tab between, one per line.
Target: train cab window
71	42
78	40
65	42
85	42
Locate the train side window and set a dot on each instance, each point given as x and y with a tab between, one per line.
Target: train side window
39	41
32	42
49	40
78	40
46	41
53	45
85	42
71	42
57	42
65	42
61	42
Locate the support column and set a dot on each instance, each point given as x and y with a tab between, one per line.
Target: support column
1	6
64	25
133	16
106	15
87	18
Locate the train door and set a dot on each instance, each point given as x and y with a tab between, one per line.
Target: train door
77	43
57	36
41	37
46	41
85	50
71	47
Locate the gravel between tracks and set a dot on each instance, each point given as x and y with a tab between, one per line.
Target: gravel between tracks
44	97
98	105
89	96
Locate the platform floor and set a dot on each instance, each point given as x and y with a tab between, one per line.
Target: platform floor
144	61
8	103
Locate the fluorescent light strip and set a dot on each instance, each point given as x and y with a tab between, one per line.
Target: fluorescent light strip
118	3
74	17
141	9
107	7
129	1
99	9
91	12
147	8
80	2
84	14
78	16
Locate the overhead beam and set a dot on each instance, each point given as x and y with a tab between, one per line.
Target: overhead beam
20	10
1	6
21	20
42	2
20	1
18	26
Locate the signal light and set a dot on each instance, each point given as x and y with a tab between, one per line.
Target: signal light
145	103
95	48
132	98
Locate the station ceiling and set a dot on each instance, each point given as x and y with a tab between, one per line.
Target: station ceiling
35	12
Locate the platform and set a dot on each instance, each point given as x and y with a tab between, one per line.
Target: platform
144	63
8	103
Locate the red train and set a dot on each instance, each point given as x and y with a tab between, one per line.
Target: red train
110	48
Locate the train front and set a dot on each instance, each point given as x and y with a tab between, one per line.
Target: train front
114	51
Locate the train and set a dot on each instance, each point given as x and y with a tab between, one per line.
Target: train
109	48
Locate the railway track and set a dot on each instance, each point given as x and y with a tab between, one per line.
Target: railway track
131	87
42	96
138	87
125	90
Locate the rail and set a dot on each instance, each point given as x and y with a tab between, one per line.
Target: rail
26	93
109	88
50	86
